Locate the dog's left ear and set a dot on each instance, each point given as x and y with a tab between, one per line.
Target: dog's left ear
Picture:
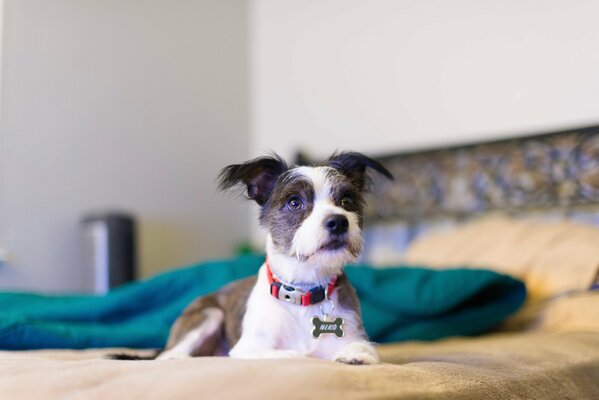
354	166
258	175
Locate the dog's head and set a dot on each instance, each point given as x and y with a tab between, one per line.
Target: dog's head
312	214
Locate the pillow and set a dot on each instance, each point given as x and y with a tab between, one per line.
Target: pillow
551	257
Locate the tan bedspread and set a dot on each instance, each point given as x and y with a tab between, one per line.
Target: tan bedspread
514	366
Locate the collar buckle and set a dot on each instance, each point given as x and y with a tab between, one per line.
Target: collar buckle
290	294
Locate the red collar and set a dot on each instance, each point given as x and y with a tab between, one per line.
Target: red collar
293	295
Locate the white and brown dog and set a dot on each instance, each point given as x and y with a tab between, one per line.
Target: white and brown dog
300	303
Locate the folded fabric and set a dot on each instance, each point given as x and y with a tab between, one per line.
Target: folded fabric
403	303
551	257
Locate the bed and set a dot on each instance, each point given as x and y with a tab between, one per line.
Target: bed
522	366
442	211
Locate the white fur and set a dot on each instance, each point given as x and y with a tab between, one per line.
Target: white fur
315	271
273	328
194	338
358	352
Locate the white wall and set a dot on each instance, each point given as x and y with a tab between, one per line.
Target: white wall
131	105
386	75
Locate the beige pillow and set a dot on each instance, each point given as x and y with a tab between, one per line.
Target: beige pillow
551	257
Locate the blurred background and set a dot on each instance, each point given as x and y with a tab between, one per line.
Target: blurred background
134	106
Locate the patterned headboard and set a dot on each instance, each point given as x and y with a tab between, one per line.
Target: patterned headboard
555	170
551	176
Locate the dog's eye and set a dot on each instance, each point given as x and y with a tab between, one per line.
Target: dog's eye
294	203
347	201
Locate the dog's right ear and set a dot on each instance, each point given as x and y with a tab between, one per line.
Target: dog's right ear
258	175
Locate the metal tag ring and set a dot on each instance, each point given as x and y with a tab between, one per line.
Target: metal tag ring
328	316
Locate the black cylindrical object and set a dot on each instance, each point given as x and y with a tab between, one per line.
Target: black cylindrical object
109	250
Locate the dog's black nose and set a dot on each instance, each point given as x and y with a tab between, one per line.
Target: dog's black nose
337	224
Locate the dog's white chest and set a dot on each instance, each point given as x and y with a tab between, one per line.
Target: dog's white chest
272	323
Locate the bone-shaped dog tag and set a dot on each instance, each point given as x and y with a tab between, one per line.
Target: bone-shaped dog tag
321	327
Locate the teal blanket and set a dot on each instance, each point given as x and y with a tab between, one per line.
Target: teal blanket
404	303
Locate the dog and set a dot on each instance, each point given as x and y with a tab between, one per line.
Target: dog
300	303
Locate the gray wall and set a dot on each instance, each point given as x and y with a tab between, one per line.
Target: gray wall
131	105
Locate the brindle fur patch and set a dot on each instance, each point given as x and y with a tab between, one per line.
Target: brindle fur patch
342	187
277	218
232	299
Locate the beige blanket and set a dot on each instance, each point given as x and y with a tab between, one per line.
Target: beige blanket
507	366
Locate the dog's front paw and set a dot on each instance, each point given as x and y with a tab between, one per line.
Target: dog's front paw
357	353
